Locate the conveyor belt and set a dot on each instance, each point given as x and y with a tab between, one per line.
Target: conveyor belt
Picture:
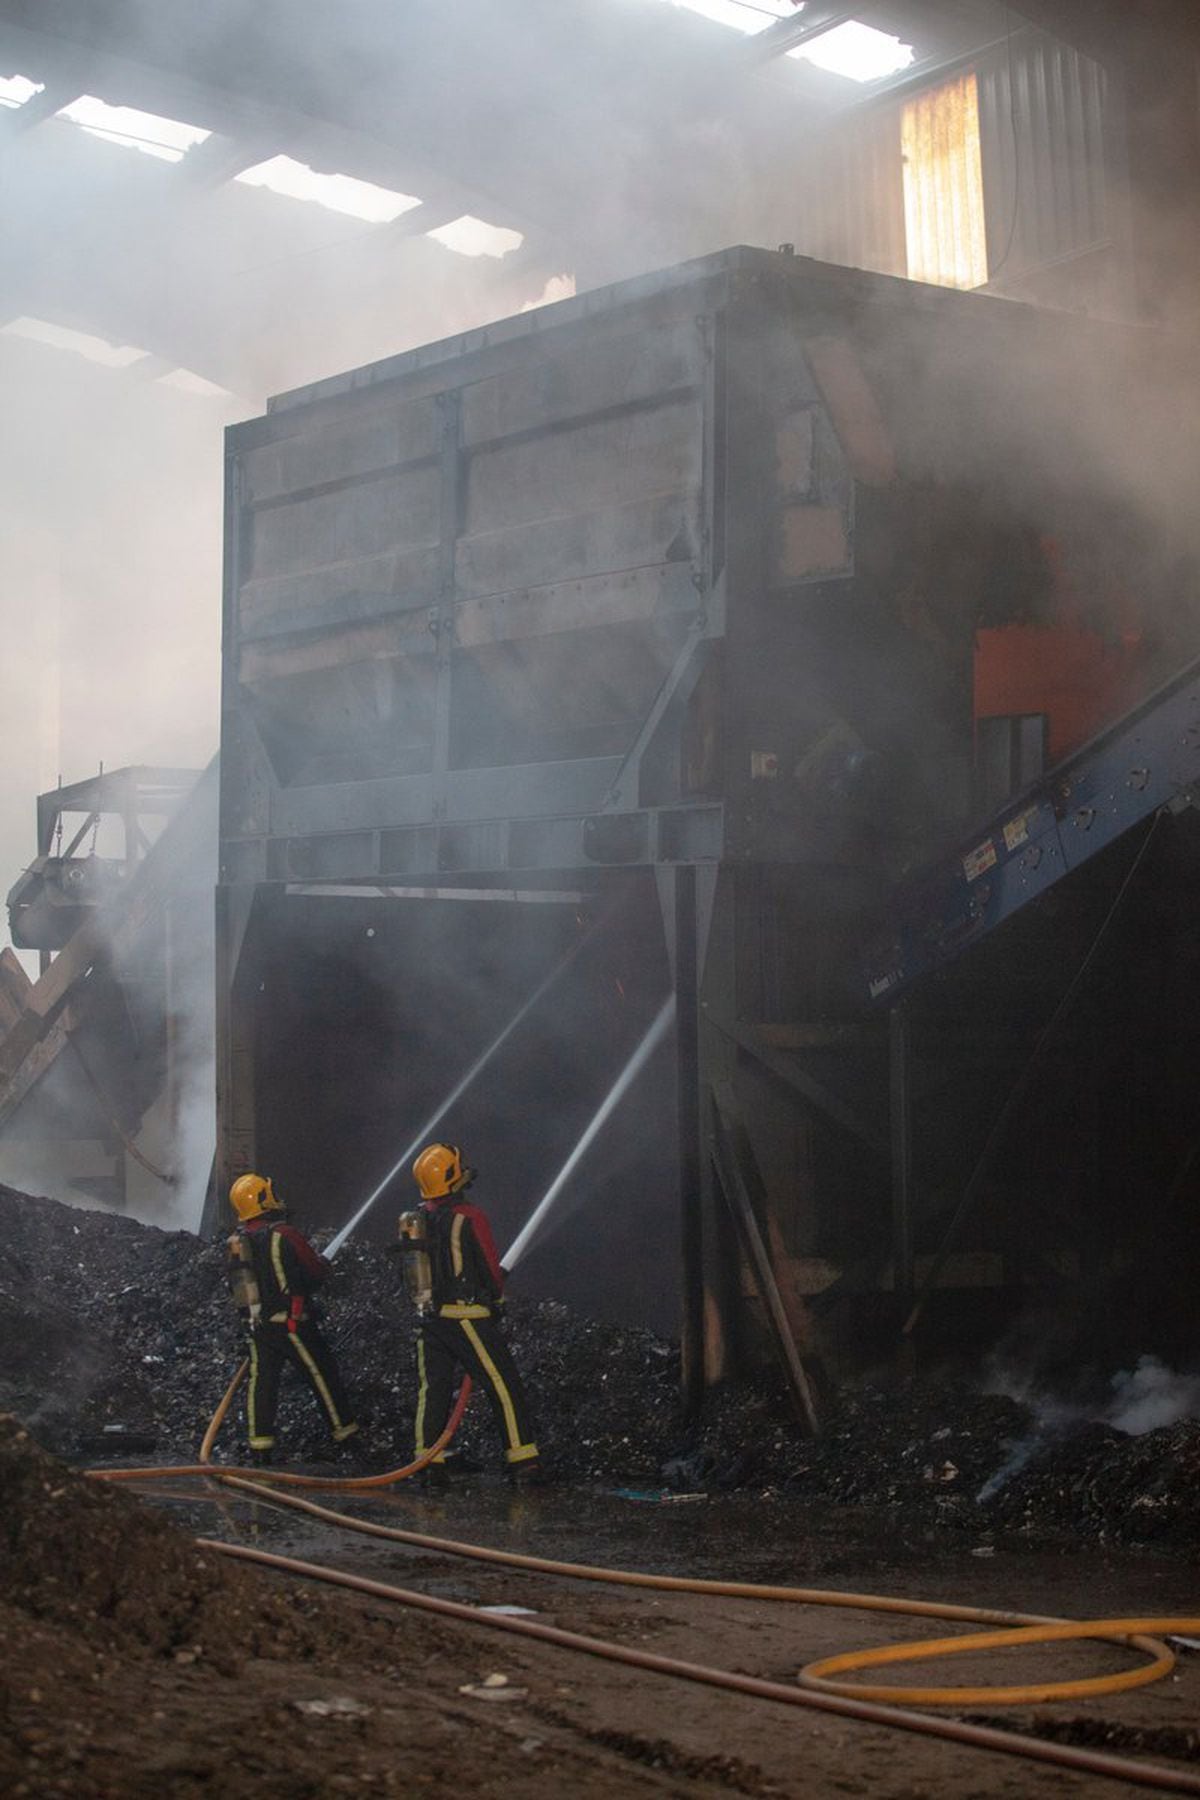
1147	760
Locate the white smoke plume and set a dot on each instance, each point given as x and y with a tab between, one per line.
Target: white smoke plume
1150	1396
1146	1398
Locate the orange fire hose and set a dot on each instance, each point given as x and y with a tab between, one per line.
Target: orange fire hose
1022	1628
223	1405
671	1584
818	1691
1116	1768
344	1484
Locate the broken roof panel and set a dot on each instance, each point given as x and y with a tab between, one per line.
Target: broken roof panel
151	133
340	193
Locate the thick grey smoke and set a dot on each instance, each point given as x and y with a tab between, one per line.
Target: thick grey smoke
123	1115
110	556
111	496
1146	1398
1141	1399
110	482
1150	1396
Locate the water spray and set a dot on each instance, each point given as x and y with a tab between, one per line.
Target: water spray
434	1120
603	1113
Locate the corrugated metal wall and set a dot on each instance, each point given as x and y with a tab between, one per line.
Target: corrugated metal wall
943	185
851	195
1044	131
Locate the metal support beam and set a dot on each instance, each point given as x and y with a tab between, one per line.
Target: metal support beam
326	133
900	1088
686	971
48	996
221	158
36	110
236	983
677	688
34	1064
51	1008
727	1140
509	896
441	619
140	788
434	212
814	22
798	1079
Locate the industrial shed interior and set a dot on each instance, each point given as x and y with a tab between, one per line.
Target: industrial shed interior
613	585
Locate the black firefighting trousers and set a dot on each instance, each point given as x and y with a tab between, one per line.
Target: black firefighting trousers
476	1344
272	1345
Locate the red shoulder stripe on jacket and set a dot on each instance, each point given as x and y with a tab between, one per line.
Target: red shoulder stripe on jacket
309	1259
483	1232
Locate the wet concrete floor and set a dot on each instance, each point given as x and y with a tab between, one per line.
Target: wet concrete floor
763	1540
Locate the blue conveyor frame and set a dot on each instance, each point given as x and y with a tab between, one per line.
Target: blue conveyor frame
1148	759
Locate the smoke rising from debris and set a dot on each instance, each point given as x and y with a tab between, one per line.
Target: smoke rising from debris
1150	1396
1146	1398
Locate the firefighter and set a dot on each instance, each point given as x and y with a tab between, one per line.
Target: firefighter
274	1272
456	1280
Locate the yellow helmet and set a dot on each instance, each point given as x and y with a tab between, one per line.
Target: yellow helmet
439	1171
252	1195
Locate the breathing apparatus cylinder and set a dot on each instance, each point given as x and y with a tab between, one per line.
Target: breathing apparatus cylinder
414	1250
243	1282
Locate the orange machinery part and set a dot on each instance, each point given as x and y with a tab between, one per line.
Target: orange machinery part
1080	680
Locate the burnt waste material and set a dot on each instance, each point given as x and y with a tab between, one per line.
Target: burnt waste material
81	1557
140	1665
118	1339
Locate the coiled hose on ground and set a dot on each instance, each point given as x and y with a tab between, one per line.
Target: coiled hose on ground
881	1705
1019	1628
981	1737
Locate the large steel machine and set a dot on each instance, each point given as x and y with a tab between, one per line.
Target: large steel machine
659	607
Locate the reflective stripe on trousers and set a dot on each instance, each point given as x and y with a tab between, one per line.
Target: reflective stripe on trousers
270	1347
476	1344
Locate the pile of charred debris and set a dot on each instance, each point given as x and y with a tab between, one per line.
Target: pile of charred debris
138	1663
117	1340
83	1556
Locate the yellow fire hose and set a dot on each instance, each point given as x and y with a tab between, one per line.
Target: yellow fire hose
817	1686
1124	1631
1022	1628
981	1737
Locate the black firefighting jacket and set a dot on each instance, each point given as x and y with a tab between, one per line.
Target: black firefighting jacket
462	1254
286	1267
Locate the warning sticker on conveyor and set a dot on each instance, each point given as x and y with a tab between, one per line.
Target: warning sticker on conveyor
1016	832
978	861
